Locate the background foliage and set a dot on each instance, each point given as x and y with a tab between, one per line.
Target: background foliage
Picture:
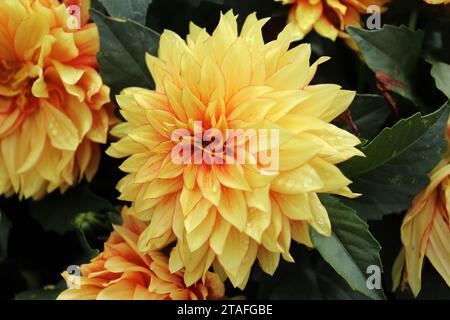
38	240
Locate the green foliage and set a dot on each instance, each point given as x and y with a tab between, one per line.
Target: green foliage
394	51
310	277
49	292
351	249
135	10
369	112
123	45
57	212
441	73
397	164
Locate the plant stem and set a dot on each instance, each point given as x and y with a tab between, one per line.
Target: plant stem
413	19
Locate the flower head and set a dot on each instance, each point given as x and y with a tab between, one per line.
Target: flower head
425	231
122	272
329	18
230	213
52	99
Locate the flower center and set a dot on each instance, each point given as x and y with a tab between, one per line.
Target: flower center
15	84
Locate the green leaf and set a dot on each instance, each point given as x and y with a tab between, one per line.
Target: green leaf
114	215
394	51
5	227
49	292
128	9
369	113
123	44
198	2
441	74
56	212
397	164
350	249
310	278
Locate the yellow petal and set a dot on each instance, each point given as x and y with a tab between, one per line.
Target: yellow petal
257	223
69	75
236	68
219	235
325	28
209	184
60	129
268	260
234	251
29	35
232	176
320	221
198	236
233	207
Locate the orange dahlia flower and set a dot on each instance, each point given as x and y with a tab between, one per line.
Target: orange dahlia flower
329	18
122	272
425	231
52	99
230	213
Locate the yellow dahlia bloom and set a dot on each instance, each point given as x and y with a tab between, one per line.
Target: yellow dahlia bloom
426	230
231	214
52	114
122	272
329	18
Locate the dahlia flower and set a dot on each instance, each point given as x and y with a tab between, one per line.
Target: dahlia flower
122	272
425	231
52	99
230	213
329	18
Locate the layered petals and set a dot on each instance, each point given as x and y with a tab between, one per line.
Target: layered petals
330	18
121	272
425	232
226	210
54	107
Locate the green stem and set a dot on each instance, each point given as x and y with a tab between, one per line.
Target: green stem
413	19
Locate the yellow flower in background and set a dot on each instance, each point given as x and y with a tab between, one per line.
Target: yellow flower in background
425	231
52	99
230	214
437	1
120	272
329	18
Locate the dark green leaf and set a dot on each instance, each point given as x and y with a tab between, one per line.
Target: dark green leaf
114	215
123	45
309	278
5	227
127	9
441	73
369	113
394	51
198	2
397	164
333	286
351	249
49	292
56	212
